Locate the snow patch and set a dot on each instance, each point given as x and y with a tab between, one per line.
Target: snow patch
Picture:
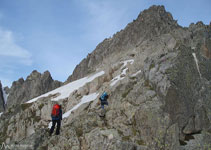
124	71
85	99
135	74
131	61
50	125
1	114
119	77
193	48
197	65
115	80
67	89
5	96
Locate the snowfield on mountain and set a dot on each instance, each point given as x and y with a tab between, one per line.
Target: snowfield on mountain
66	90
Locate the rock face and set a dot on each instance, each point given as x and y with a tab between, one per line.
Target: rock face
2	106
150	23
35	84
159	85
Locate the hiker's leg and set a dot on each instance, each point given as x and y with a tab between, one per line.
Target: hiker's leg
102	106
58	127
53	126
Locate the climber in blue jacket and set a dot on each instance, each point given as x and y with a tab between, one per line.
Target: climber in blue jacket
103	99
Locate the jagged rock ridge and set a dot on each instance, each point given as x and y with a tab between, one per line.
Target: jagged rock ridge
161	100
150	23
35	85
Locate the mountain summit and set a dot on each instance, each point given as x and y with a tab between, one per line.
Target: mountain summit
158	78
150	23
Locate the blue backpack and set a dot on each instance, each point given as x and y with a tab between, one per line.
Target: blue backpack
104	96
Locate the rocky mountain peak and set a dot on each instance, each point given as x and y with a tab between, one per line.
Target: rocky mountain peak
34	85
18	82
150	23
156	14
34	75
46	74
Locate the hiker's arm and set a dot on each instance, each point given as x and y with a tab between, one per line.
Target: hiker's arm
98	103
61	114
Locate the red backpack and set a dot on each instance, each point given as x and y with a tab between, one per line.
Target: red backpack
55	110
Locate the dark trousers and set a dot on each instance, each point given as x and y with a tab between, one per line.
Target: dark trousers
54	122
103	103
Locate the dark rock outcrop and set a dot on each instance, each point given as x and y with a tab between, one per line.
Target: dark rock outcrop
35	85
2	103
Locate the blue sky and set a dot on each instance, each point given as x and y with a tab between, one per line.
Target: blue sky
56	35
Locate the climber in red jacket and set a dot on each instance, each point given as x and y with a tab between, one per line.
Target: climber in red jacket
56	116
